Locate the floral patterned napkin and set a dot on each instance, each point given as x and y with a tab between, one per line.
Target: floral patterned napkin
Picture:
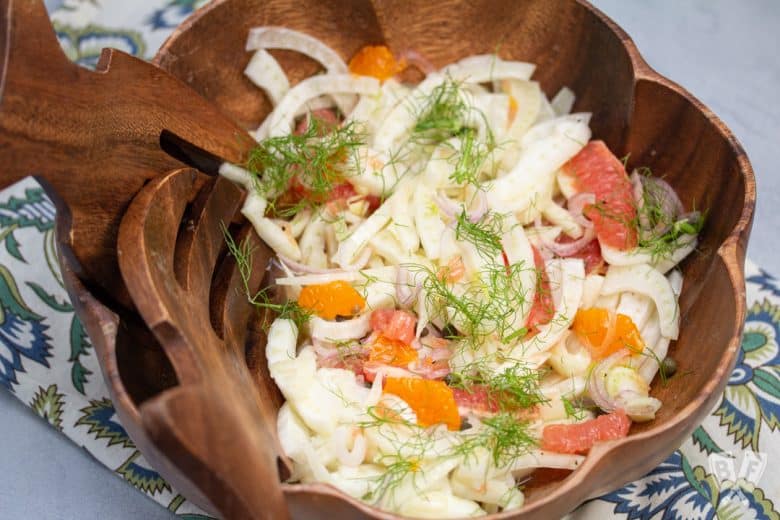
724	470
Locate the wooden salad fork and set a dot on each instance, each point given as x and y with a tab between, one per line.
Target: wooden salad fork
94	139
165	307
215	427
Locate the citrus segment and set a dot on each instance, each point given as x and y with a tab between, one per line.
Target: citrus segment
596	170
388	351
331	299
432	401
580	438
377	61
394	324
604	333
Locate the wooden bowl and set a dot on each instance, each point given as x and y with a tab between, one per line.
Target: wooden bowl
226	426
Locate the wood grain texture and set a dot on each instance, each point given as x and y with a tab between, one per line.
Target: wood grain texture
634	110
208	422
95	136
214	427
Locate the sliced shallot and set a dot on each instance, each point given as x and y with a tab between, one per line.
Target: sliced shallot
597	381
298	267
577	203
430	370
569	249
476	214
452	208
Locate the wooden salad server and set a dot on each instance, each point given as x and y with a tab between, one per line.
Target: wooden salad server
180	348
95	138
192	297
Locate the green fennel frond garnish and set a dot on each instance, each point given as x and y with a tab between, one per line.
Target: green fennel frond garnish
261	300
311	163
653	215
447	113
573	410
487	305
659	232
505	436
472	157
441	115
410	443
485	234
515	388
397	469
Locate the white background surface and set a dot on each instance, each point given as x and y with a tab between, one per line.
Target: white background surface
724	51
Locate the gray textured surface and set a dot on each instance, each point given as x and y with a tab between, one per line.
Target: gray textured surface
44	476
724	52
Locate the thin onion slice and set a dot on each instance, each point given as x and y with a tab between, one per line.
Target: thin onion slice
565	250
661	194
452	208
577	203
300	268
597	381
670	199
559	216
414	58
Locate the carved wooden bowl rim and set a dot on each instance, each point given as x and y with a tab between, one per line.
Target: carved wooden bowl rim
731	251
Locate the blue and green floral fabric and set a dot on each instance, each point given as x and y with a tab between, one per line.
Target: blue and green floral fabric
727	469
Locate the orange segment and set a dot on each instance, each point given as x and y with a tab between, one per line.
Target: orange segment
605	334
591	325
627	335
377	61
432	401
391	352
331	299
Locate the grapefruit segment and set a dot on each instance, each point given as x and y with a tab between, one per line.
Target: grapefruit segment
596	170
580	438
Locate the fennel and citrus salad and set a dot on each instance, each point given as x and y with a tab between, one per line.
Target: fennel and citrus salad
472	287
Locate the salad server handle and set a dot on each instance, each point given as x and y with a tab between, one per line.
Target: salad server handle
97	136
